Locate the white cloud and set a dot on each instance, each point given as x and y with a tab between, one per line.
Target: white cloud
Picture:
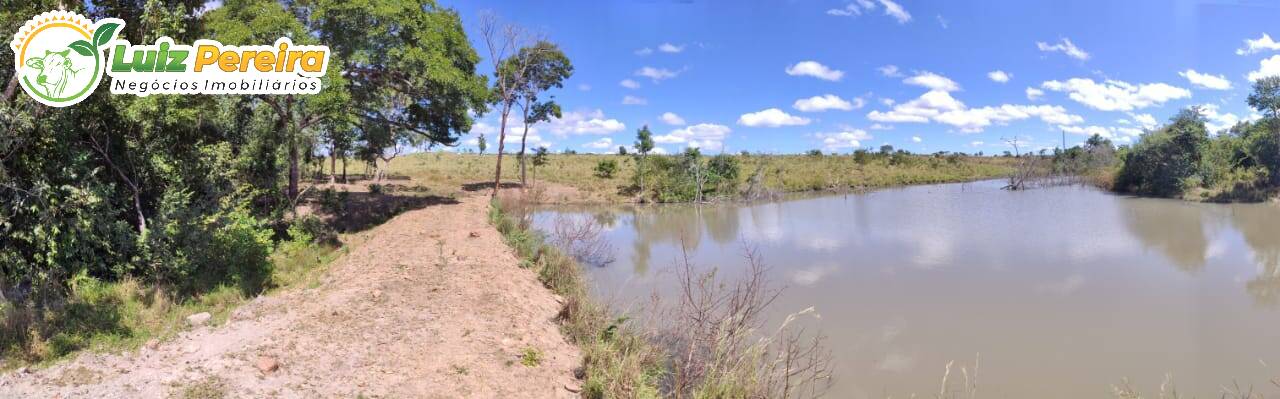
1114	95
633	100
1034	93
584	87
1217	120
644	51
939	106
1122	134
670	48
846	139
671	118
814	69
932	81
584	122
708	136
771	117
1145	120
878	126
1207	81
657	74
853	9
824	102
1064	46
916	139
999	76
602	143
976	143
896	11
630	84
890	71
659	151
888	102
1257	46
1266	67
943	22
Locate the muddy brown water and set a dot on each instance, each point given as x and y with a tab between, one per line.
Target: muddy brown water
1061	292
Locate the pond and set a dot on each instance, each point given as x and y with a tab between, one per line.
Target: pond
1061	292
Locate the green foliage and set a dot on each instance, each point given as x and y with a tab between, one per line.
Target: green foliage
605	169
1163	161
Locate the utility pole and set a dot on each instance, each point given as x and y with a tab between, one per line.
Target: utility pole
1064	141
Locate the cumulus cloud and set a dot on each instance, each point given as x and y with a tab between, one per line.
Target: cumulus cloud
1267	67
708	136
814	69
939	106
999	76
584	87
932	81
842	140
1145	120
1216	120
825	102
1034	93
633	100
1205	80
671	118
877	126
1115	95
1258	45
890	71
644	51
630	84
916	139
1120	134
584	122
601	144
1064	46
657	74
670	48
771	117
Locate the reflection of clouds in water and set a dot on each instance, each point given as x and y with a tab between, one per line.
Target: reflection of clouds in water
935	249
812	274
895	362
1067	286
825	244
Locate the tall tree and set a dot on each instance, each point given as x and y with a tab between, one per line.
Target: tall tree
481	144
644	144
547	68
504	42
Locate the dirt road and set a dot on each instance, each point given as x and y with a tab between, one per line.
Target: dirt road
422	308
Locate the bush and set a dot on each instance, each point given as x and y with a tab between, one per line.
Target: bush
605	169
375	189
1164	161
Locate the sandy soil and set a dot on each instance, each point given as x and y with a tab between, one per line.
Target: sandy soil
422	308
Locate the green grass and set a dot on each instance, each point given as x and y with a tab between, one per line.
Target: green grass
445	173
122	315
531	357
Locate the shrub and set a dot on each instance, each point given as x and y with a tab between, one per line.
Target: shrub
375	189
605	169
1163	161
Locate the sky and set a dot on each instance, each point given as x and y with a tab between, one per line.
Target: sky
926	76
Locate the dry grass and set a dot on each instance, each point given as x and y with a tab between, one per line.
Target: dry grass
443	173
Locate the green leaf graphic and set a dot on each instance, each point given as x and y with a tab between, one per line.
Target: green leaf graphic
104	34
82	47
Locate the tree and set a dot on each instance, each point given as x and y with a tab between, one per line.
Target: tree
509	71
644	144
1266	99
622	150
547	68
886	149
539	159
481	144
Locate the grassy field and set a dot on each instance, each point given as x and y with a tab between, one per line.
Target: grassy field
443	173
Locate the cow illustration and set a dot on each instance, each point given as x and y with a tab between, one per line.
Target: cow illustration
55	70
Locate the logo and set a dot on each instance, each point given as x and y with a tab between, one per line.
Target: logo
59	56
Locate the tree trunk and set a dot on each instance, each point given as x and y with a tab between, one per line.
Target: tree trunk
344	170
523	137
502	138
333	164
293	164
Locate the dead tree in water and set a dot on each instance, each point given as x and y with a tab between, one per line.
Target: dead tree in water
1026	170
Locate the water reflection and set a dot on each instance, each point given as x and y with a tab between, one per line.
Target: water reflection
1088	286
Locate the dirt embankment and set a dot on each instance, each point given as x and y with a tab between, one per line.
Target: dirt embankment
431	304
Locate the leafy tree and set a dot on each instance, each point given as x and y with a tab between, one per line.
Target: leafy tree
605	169
480	143
644	144
539	159
1163	161
547	68
886	149
622	150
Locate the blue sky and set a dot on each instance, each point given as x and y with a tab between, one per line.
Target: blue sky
790	76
